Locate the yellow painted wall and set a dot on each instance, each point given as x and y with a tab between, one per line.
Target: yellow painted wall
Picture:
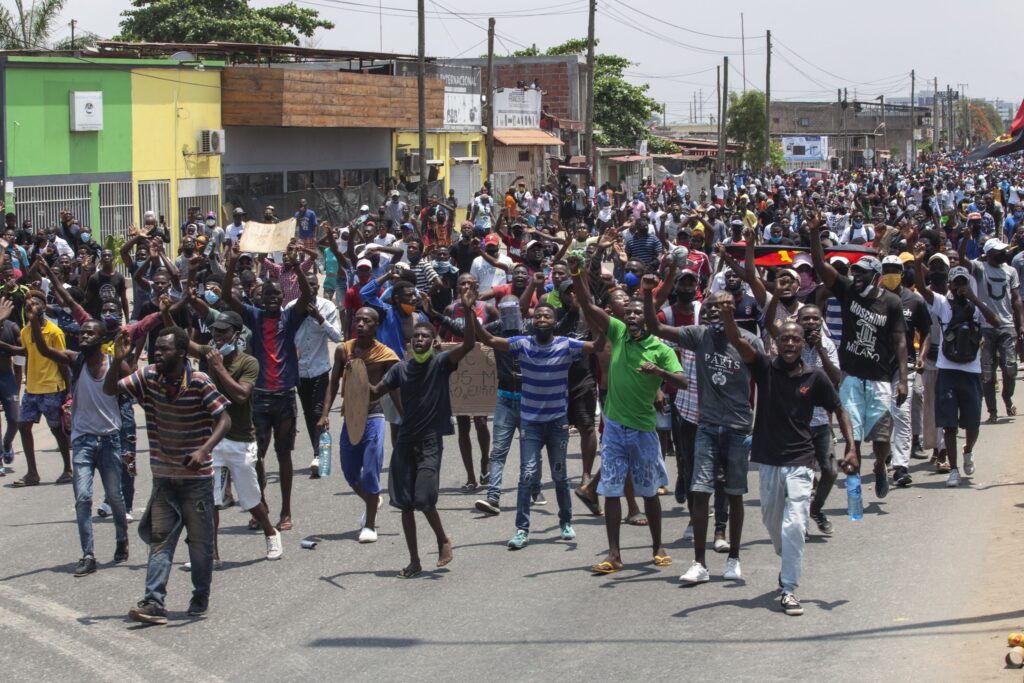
440	143
169	109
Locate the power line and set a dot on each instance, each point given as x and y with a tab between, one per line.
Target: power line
661	20
617	16
829	73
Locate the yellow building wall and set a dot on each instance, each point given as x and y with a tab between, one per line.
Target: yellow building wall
440	142
169	109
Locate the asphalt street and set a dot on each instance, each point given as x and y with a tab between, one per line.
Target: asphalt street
922	588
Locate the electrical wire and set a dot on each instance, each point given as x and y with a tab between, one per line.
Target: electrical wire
683	28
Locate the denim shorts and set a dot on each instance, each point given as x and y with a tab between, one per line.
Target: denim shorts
46	405
868	403
271	413
720	448
630	451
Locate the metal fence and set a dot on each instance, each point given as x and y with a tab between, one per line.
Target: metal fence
116	215
42	204
204	204
155	196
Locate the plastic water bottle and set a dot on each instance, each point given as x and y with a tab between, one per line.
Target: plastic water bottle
854	500
324	453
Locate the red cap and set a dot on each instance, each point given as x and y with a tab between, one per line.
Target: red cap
491	239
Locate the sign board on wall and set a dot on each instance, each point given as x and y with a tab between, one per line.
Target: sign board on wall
805	148
461	92
516	108
86	111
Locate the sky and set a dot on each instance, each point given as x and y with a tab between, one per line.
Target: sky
675	45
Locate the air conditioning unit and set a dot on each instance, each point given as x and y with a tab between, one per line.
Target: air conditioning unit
211	142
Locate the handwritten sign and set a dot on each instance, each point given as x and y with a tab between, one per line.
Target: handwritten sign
265	238
474	385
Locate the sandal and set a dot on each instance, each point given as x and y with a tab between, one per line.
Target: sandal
605	567
662	560
637	519
592	505
1011	410
253	524
24	482
64	478
469	487
409	572
285	524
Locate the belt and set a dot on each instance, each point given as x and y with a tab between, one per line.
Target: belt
282	392
510	395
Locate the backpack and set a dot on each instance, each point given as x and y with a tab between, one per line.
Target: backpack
961	339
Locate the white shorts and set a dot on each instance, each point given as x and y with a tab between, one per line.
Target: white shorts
238	457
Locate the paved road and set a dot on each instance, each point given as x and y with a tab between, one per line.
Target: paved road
923	586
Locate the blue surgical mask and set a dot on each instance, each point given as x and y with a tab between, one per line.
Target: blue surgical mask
211	297
631	280
226	349
775	239
112	321
86	237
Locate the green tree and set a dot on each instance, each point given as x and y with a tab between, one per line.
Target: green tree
745	124
985	123
28	28
778	159
621	110
203	21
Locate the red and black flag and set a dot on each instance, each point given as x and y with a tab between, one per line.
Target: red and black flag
771	255
1009	142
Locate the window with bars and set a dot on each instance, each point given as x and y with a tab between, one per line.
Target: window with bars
42	204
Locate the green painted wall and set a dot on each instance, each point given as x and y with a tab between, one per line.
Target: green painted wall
39	137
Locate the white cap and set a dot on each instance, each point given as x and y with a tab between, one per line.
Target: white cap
892	260
839	259
364	207
994	243
939	257
364	262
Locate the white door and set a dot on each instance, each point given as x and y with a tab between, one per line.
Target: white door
461	182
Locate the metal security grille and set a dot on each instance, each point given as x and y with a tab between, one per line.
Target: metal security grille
43	203
115	213
155	196
204	204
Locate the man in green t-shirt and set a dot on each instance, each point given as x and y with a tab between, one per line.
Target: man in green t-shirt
630	446
234	373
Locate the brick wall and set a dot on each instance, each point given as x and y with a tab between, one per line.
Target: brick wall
554	81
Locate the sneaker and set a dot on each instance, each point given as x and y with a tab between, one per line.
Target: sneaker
539	499
86	566
198	605
275	548
367	535
901	477
721	545
790	605
568	533
732	570
121	552
104	510
881	483
8	457
688	534
488	506
520	540
697	573
824	525
954	479
314	468
148	613
128	517
968	464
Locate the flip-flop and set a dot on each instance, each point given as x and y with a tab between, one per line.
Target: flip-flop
24	482
409	572
1011	410
64	478
284	525
637	519
253	524
604	568
662	560
593	506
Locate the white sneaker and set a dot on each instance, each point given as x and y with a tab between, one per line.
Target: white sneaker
129	517
187	566
721	545
688	534
368	535
732	569
362	517
697	573
275	548
968	464
954	479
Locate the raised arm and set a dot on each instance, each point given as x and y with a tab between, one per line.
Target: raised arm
655	326
485	337
237	392
469	336
60	356
595	316
732	331
826	273
920	254
228	290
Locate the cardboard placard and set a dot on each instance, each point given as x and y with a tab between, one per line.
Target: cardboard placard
474	385
356	393
266	238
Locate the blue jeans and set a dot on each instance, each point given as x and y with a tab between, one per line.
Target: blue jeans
533	436
127	449
717	449
91	452
176	504
506	419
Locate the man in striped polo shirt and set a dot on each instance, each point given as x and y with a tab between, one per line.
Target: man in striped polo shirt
544	361
185	418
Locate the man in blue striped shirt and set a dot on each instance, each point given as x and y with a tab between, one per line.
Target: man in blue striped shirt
544	361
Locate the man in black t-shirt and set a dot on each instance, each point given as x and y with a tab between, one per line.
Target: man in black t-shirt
106	284
787	393
422	383
872	351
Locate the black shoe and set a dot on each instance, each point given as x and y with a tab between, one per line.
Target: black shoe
198	605
824	526
539	499
86	566
916	452
881	483
488	507
148	613
901	477
121	553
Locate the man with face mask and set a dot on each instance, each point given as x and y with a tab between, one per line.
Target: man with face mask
215	235
918	322
872	352
999	289
237	228
106	284
491	268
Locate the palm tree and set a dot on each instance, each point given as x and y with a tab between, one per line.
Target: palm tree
29	28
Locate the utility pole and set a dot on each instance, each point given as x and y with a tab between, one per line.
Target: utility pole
700	98
768	101
952	117
839	126
913	125
935	115
885	130
846	137
718	111
590	88
725	111
74	22
966	113
743	38
664	112
421	92
490	100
